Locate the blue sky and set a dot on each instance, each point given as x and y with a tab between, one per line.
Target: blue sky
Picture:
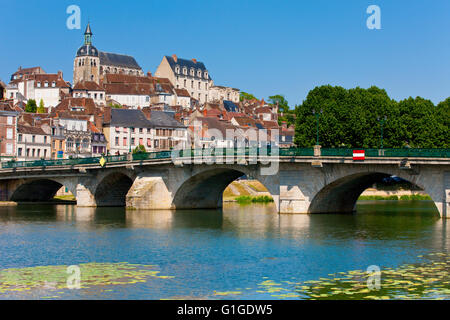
262	47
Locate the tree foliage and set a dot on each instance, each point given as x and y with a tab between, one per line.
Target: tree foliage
31	106
352	118
246	96
283	108
41	108
139	149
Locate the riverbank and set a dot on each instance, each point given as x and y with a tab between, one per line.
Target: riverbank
247	191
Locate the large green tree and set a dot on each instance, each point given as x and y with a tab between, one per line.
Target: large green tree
354	117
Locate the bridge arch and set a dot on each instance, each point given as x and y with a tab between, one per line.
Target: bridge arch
111	191
204	190
341	194
39	190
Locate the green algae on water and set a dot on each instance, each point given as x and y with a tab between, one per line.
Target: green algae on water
91	275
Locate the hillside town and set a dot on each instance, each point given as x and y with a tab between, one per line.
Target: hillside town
112	107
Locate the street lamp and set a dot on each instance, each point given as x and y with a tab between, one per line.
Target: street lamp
317	114
382	120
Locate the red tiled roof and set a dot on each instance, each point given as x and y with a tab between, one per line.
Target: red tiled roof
88	85
129	88
30	129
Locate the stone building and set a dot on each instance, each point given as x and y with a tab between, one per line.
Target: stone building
30	83
8	129
2	90
191	75
219	93
33	143
125	129
91	64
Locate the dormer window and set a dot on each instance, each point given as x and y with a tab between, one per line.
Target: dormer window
46	84
54	84
177	69
199	73
184	70
192	71
39	84
206	74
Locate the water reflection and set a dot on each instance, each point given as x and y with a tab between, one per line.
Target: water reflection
219	249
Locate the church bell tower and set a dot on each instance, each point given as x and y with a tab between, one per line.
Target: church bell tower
86	66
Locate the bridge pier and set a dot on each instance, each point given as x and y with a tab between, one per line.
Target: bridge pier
148	192
84	196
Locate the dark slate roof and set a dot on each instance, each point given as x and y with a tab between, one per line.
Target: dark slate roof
118	60
128	118
188	64
164	119
87	50
230	106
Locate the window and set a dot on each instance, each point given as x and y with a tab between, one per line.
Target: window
9	148
192	84
45	153
9	133
185	83
19	152
39	84
33	152
33	139
124	141
132	141
184	70
199	73
177	69
46	84
45	139
53	84
85	144
69	143
141	130
117	141
141	141
38	153
206	75
149	142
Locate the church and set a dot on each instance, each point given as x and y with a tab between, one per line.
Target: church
91	64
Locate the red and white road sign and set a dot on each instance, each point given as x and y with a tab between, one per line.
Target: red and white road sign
359	155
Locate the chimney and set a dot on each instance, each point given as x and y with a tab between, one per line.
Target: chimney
107	115
60	74
174	56
149	74
194	60
147	112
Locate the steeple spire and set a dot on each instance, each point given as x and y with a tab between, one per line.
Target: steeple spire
88	35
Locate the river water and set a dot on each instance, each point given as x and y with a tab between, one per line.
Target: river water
240	252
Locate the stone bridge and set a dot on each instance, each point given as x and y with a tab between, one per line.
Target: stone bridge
299	184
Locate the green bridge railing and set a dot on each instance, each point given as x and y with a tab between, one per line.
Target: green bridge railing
389	153
282	152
